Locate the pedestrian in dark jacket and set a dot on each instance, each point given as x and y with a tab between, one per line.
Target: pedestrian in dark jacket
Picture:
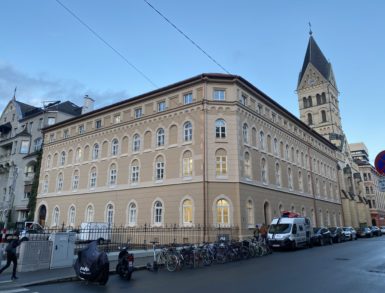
11	254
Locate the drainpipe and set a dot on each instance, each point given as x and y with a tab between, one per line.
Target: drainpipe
312	187
205	199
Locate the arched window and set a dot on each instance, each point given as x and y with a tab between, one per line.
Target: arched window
132	214
48	162
247	165
135	171
75	180
277	174
112	175
160	137
304	102
110	215
55	217
59	183
114	147
90	213
158	213
309	186
223	212
287	153
93	176
275	147
309	119
245	131
221	162
290	178
159	168
187	208
250	214
187	131
262	140
71	216
220	128
45	184
187	164
300	181
136	143
309	101
317	187
78	155
323	116
264	171
95	151
62	158
319	102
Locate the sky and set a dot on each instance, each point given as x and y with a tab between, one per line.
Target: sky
49	55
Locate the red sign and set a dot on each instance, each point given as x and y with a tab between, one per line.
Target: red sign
379	163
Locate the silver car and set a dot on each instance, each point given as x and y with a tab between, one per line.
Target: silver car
349	233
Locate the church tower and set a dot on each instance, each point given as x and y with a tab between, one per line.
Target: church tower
318	95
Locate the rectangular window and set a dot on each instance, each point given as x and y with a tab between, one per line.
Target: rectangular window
51	137
161	106
81	129
51	121
75	182
30	126
117	119
159	170
66	133
187	98
24	148
221	165
219	95
40	123
244	100
138	113
187	167
98	124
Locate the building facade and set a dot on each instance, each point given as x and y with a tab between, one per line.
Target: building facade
20	142
212	150
370	177
318	100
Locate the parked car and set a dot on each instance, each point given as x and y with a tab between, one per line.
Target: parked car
33	231
365	232
350	233
336	234
375	230
382	228
321	236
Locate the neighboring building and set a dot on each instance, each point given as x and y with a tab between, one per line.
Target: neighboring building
370	177
212	150
20	141
319	108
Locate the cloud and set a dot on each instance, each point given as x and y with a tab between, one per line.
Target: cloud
35	90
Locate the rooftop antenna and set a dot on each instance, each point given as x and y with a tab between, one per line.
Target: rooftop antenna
310	31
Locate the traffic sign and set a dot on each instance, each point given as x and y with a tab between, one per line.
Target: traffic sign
379	163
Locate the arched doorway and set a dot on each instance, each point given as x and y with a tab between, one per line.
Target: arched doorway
374	222
266	213
42	215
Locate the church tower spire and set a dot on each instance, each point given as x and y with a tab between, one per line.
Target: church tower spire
318	94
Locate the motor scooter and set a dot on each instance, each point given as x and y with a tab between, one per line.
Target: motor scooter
125	266
92	265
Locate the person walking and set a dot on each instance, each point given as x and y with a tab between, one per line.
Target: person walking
263	232
11	254
256	232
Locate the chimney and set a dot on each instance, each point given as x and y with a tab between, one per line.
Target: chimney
88	104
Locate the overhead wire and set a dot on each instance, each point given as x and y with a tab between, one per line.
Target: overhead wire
186	36
106	43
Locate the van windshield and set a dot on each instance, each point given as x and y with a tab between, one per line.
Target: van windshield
280	228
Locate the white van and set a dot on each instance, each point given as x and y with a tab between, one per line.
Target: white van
90	231
290	231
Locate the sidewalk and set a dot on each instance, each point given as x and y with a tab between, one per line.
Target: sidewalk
25	279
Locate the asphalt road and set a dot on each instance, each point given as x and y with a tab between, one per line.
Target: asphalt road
356	266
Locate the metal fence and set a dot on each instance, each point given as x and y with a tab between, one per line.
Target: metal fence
143	237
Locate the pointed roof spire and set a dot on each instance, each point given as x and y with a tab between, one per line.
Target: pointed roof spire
310	31
315	56
14	94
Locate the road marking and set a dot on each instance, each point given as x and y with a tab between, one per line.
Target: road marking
14	290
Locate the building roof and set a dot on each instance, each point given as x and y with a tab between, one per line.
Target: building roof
65	107
315	56
25	108
186	82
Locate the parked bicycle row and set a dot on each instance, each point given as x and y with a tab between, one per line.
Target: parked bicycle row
175	258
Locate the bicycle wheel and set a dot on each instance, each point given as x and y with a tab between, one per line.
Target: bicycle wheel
172	263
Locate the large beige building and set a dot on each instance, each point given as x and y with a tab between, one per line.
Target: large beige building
319	108
211	150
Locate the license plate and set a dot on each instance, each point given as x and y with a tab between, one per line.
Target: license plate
130	264
275	245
